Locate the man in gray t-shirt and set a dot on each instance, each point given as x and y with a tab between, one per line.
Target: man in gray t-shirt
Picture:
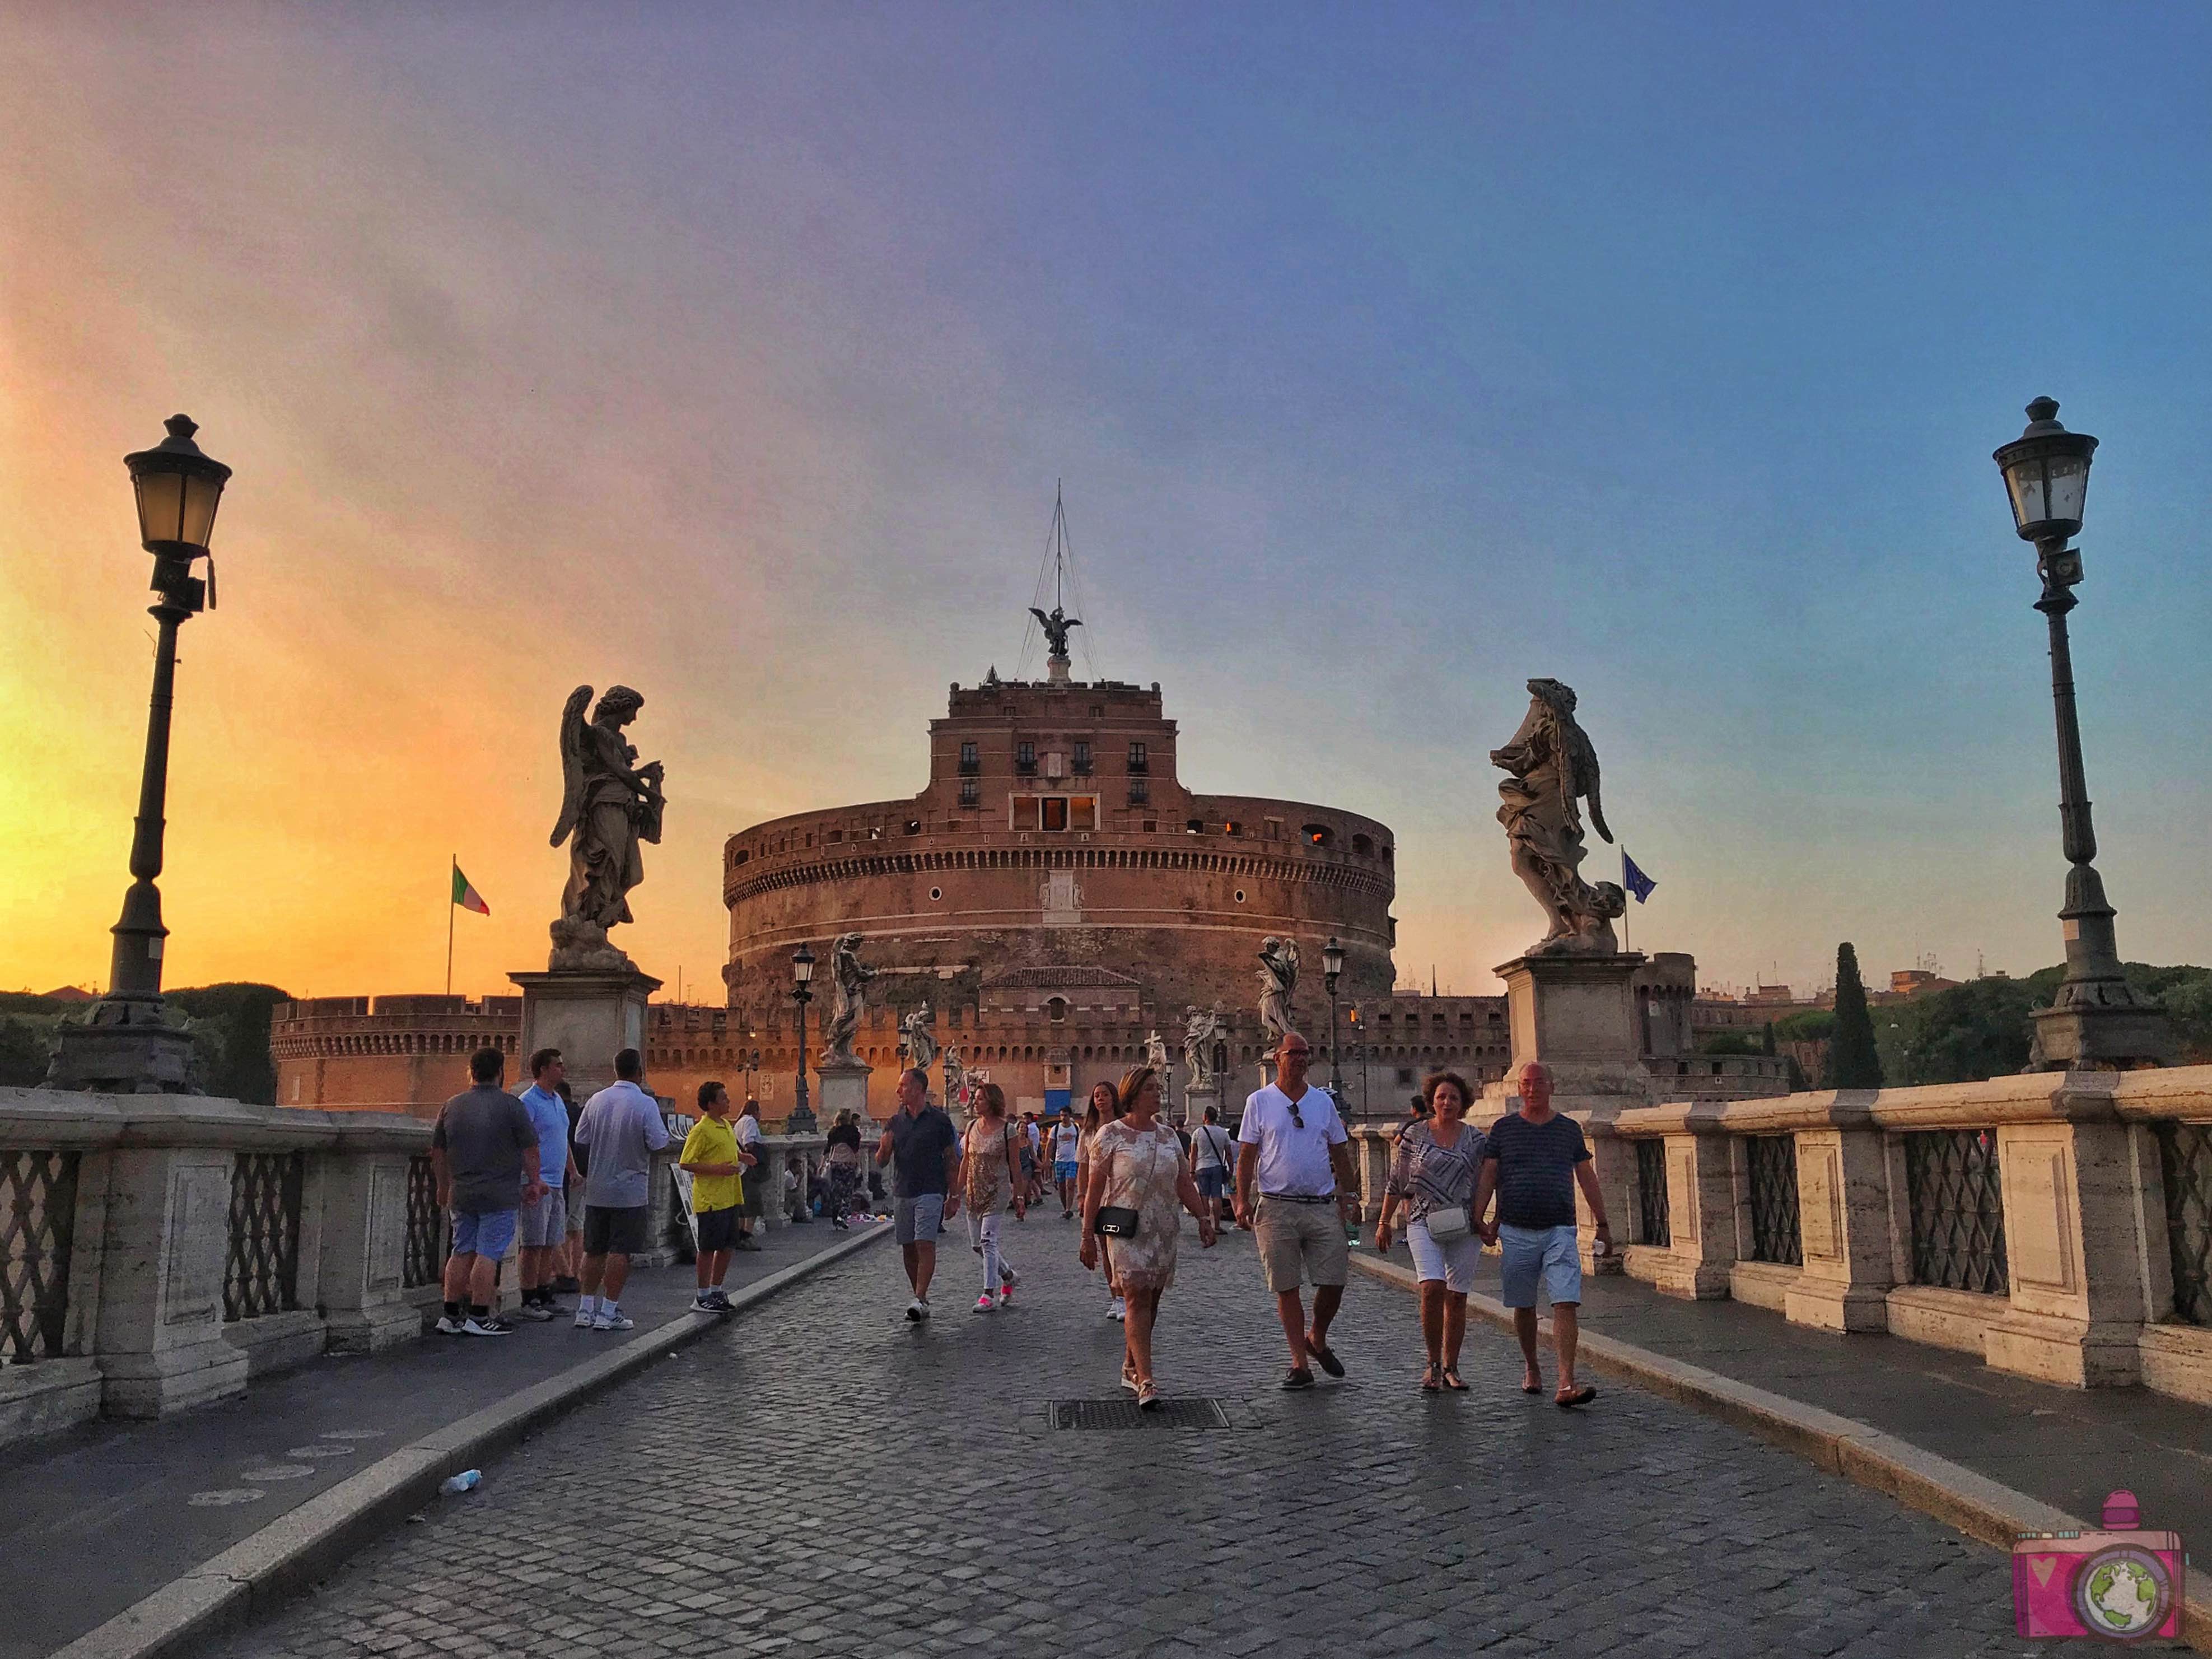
484	1153
622	1127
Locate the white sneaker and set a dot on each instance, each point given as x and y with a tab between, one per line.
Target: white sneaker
914	1311
449	1326
584	1318
702	1304
1118	1310
612	1319
924	1305
484	1327
984	1303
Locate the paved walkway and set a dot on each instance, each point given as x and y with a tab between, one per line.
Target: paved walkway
94	1519
825	1479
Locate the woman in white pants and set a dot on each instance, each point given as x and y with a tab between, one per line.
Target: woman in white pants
1432	1177
990	1174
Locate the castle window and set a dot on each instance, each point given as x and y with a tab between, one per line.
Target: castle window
834	838
1320	835
740	856
1240	895
1138	762
1082	812
971	792
1152	826
1025	759
1195	826
1364	846
913	826
1232	828
1052	811
935	894
1140	791
1097	711
1083	759
968	762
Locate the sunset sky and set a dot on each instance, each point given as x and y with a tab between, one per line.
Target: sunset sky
1390	356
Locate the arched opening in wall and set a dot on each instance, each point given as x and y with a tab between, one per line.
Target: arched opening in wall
1364	846
1090	1053
1057	1010
1319	834
1248	1052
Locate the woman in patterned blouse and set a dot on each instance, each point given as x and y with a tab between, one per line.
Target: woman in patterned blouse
1432	1177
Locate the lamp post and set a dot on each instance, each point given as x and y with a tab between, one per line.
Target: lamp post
1332	965
126	1043
802	979
2097	1021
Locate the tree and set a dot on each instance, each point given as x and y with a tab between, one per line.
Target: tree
230	1027
1852	1062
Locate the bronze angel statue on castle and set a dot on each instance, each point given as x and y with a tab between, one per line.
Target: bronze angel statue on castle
608	806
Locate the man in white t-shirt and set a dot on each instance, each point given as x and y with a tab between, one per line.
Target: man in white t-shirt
1292	1146
1066	1142
747	1128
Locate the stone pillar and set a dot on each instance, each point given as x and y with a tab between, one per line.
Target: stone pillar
2078	1238
160	1335
1576	1014
1844	1226
364	1234
589	1016
1701	1249
843	1088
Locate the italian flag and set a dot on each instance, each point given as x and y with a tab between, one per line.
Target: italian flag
467	896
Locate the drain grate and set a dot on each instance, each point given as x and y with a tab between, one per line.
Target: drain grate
1190	1411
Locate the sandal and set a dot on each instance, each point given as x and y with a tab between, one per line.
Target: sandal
1429	1383
1581	1396
1148	1397
1452	1381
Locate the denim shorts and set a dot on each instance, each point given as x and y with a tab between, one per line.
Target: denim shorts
919	1220
1064	1169
487	1232
1550	1253
1212	1182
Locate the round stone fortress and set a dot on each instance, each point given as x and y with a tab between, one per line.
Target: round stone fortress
1056	891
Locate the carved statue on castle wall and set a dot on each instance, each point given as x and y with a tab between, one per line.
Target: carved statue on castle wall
1552	768
921	1042
610	807
1156	1056
1279	982
1200	1028
956	1080
850	975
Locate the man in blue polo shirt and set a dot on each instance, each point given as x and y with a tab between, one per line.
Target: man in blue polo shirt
543	1226
1533	1160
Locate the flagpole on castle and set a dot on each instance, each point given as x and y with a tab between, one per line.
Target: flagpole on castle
1624	911
454	872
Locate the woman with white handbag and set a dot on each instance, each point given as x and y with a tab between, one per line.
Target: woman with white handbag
1433	1177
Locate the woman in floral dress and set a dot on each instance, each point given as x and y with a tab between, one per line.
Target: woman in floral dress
1105	1106
1137	1164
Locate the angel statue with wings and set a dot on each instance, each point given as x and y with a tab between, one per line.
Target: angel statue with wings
1057	627
956	1080
921	1044
1200	1028
851	976
1552	768
610	805
1279	982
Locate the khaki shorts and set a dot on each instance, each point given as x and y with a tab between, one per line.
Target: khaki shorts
1296	1238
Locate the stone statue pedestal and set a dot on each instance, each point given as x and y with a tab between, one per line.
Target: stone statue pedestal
1197	1099
1576	1014
843	1087
589	1016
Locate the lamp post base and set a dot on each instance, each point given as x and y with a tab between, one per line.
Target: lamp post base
2101	1025
124	1046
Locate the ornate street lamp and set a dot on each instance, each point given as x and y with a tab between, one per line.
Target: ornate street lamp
126	1043
2097	1021
1332	965
802	993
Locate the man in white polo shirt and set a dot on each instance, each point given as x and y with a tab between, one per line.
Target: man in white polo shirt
1292	1143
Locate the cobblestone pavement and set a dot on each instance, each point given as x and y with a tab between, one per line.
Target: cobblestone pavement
825	1479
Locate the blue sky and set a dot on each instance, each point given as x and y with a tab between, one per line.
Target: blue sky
1390	356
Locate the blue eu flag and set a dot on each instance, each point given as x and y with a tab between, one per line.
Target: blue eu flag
1634	879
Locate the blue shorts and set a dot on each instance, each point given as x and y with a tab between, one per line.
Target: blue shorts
918	1220
1213	1181
487	1233
1064	1172
1552	1253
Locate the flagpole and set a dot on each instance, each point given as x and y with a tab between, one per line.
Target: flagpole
455	871
1624	907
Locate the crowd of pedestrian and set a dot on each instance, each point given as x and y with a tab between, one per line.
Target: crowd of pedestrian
568	1187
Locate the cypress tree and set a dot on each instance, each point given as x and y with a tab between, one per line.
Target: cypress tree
1852	1062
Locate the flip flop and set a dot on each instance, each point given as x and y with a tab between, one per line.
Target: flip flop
1581	1396
1429	1381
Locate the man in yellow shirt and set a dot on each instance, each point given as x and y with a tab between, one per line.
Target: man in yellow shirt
716	1166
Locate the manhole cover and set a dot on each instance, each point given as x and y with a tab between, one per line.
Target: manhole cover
1188	1413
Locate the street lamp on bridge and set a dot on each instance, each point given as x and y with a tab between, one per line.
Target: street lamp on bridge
1331	966
2097	1021
125	1044
802	993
